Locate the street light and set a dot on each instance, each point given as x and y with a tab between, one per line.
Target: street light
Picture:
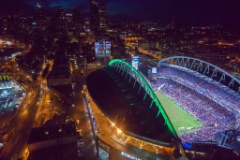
119	131
113	124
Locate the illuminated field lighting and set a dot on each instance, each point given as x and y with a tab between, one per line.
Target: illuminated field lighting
113	124
238	138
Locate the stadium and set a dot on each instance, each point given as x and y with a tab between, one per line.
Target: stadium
185	108
210	102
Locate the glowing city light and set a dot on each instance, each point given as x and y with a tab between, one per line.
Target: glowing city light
119	131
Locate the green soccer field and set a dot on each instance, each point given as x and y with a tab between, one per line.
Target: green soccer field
182	121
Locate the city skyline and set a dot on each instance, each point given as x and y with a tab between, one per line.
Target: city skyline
186	12
119	79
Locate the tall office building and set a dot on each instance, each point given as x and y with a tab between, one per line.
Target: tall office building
77	19
40	18
102	17
97	16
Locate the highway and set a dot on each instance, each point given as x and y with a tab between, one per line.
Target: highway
19	126
40	105
33	111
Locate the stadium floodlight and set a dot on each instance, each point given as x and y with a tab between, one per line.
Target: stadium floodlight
238	138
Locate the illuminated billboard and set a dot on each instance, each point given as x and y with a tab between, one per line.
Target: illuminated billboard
135	60
154	69
103	151
102	49
102	154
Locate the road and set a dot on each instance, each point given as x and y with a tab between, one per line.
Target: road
79	112
19	127
40	105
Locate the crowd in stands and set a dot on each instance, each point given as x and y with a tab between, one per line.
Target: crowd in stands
215	106
6	84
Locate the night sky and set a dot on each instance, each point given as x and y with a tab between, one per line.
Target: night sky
224	12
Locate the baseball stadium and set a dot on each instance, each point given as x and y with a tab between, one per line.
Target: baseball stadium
186	108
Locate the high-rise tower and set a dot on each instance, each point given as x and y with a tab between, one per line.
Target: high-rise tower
40	18
97	16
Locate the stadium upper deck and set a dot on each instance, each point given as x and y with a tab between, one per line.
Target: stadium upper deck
207	69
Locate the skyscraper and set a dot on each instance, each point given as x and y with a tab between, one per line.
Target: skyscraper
40	18
97	16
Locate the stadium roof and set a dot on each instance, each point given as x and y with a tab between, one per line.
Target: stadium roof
126	107
207	69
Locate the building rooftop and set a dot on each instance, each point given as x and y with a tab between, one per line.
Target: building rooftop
46	133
